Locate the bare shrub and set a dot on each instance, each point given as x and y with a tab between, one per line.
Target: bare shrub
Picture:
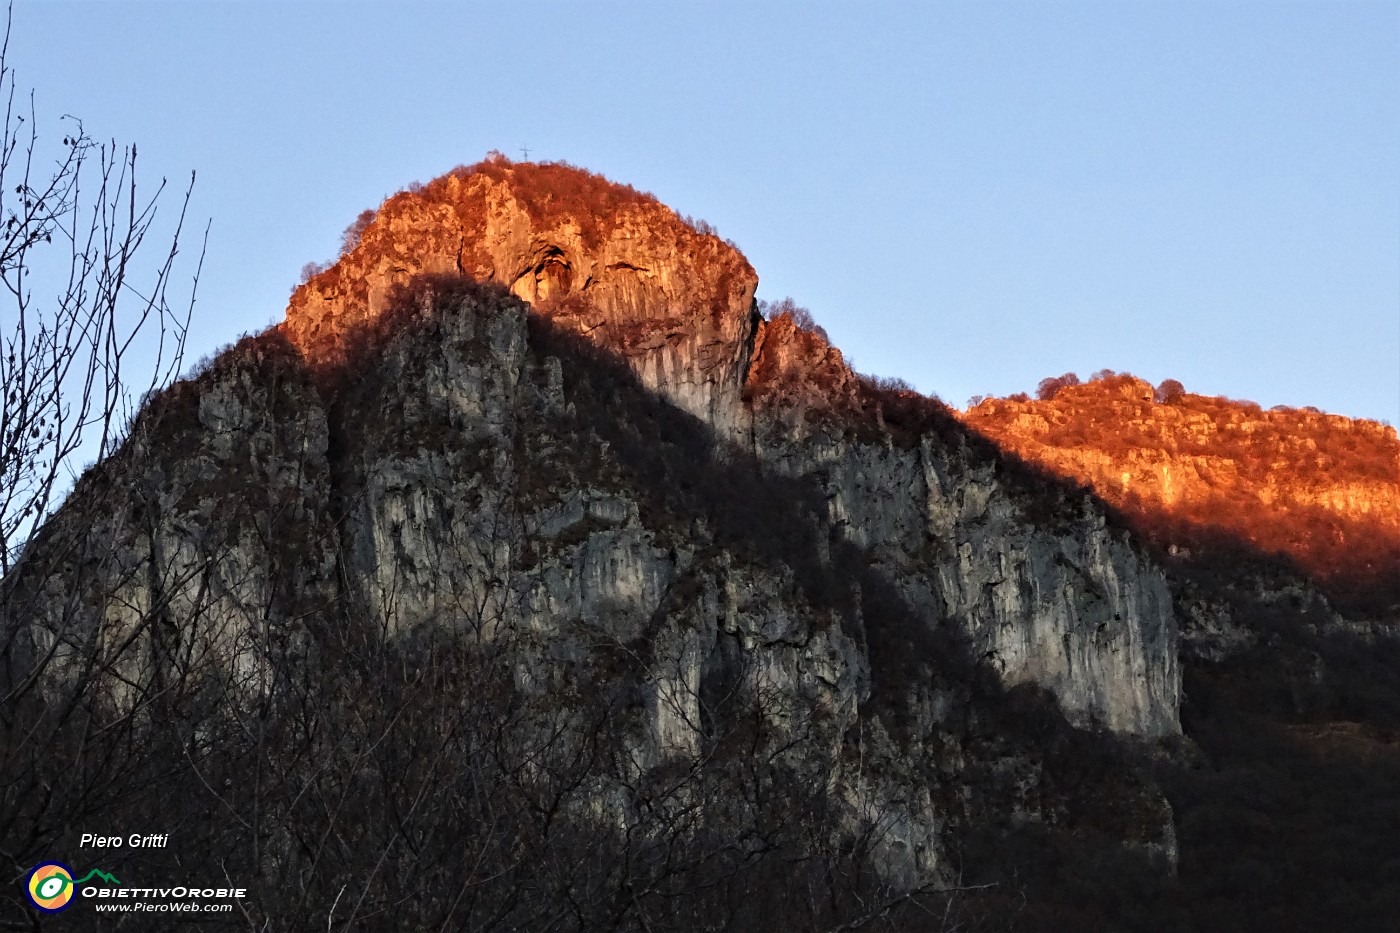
772	310
351	237
311	270
1169	391
1051	386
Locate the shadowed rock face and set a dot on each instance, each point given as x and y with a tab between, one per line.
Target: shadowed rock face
485	486
602	259
1073	609
795	578
1028	570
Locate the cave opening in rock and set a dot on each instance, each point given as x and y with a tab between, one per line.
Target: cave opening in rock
550	277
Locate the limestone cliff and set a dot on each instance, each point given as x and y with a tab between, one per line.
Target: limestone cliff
598	257
1076	612
526	553
1029	571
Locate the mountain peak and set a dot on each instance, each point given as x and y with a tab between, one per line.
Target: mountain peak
600	258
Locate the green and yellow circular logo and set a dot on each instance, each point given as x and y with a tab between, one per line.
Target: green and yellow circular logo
50	886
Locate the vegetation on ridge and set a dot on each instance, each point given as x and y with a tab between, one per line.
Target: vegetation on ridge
1320	492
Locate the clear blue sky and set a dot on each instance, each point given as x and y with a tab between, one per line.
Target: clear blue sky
969	195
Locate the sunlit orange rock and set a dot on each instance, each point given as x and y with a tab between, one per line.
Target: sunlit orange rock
601	258
1322	490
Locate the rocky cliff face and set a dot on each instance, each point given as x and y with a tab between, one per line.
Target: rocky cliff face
1055	598
1321	490
1075	612
599	258
644	573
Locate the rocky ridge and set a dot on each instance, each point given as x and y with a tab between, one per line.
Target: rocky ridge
677	306
1322	491
644	572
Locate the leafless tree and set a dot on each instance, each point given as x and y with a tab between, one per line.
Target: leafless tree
90	320
93	318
